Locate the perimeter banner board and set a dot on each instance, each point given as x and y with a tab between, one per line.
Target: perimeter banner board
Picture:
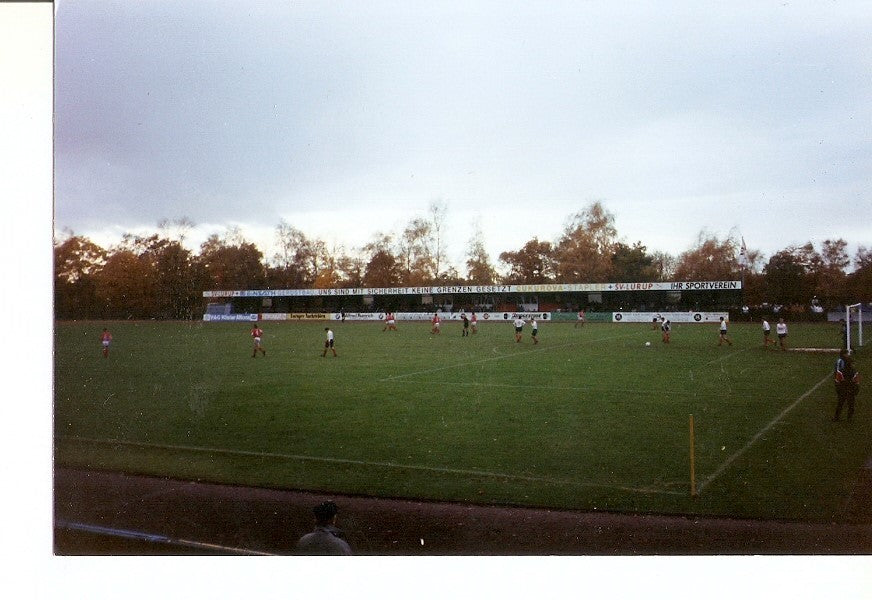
242	317
674	317
483	317
668	286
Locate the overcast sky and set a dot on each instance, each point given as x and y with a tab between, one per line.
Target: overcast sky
348	118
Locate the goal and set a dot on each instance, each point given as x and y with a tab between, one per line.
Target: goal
853	332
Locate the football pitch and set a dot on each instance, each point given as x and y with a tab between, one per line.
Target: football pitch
590	418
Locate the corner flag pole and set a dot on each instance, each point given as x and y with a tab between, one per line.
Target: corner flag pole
693	492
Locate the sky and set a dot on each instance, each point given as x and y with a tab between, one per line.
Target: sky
347	119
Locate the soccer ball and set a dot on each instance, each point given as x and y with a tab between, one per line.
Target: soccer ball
647	343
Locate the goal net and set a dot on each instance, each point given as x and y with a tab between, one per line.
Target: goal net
852	334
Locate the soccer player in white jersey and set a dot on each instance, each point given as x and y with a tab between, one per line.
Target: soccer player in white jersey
328	343
766	331
535	331
723	334
781	332
519	327
666	328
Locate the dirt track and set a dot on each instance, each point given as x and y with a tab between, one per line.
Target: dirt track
100	513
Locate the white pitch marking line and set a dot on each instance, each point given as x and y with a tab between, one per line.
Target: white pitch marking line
717	473
726	356
521	386
391	465
156	538
500	357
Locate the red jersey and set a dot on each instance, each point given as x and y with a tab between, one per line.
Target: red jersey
257	332
105	337
436	319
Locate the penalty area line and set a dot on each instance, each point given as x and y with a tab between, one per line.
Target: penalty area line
366	463
726	464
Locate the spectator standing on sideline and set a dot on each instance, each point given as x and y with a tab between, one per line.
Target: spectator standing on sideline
781	332
257	335
326	539
766	331
329	342
847	384
723	334
105	341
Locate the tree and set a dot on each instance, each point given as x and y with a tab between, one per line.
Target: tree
584	251
231	263
533	263
77	260
176	229
381	270
125	286
710	260
787	276
299	259
829	273
860	281
663	264
633	263
415	253
177	282
178	285
438	215
479	270
350	270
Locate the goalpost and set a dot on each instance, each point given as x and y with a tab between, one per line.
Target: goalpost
857	311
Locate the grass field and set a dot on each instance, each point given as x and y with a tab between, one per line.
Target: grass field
590	418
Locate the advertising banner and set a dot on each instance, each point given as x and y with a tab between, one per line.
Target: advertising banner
314	316
670	286
230	318
674	317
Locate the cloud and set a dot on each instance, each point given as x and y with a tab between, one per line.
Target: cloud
226	112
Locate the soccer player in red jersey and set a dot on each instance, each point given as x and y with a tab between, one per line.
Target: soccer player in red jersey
437	322
473	321
105	340
390	322
257	334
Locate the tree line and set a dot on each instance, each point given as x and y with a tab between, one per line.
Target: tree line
156	276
